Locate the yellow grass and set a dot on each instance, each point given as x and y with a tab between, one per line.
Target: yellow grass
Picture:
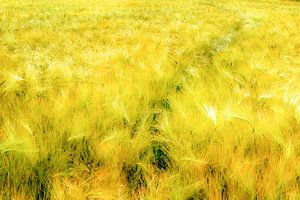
150	99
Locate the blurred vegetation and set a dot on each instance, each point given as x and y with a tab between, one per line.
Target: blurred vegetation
150	99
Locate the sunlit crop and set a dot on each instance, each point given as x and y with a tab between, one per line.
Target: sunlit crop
150	99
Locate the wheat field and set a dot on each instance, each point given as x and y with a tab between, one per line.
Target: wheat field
150	99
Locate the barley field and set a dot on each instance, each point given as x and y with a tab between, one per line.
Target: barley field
150	99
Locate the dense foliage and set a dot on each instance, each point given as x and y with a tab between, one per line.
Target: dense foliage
149	99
